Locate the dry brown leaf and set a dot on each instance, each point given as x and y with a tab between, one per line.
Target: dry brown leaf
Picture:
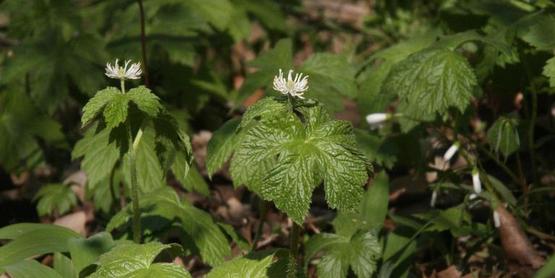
450	272
75	221
516	245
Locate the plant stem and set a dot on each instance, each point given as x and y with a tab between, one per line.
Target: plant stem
531	148
143	42
263	208
135	198
293	250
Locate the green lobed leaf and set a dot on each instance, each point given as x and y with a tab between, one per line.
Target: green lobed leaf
359	252
115	112
194	181
503	136
96	104
430	82
136	260
100	155
217	12
284	159
57	198
150	175
243	267
145	100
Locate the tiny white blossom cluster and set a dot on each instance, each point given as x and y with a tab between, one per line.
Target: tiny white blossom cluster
291	86
123	73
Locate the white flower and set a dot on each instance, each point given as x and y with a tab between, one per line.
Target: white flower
378	118
434	199
291	86
496	219
476	183
123	73
451	151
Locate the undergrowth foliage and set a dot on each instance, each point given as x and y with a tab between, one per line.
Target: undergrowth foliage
412	141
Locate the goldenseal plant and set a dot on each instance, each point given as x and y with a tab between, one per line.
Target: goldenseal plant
284	147
130	129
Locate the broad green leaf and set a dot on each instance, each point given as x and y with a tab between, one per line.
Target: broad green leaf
64	266
430	82
29	269
145	100
16	230
194	181
115	112
221	146
284	159
330	74
549	71
136	260
359	252
85	251
503	136
96	104
243	267
100	155
198	225
57	198
33	242
150	174
375	202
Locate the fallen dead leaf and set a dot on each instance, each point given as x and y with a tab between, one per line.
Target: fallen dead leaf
75	221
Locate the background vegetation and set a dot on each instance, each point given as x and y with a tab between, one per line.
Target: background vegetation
456	160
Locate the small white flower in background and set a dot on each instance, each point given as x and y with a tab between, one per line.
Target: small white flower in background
377	119
451	151
476	183
434	199
291	86
496	219
123	73
472	196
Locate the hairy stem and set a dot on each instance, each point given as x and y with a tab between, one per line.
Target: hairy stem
293	250
143	42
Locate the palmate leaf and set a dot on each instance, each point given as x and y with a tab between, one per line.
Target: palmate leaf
55	198
430	82
136	260
283	159
115	105
360	252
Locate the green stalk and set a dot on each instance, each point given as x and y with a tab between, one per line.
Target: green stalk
293	250
135	186
133	143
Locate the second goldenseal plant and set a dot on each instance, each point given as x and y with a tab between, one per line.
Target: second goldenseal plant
285	146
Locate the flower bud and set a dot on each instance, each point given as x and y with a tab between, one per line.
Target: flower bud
476	183
451	151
